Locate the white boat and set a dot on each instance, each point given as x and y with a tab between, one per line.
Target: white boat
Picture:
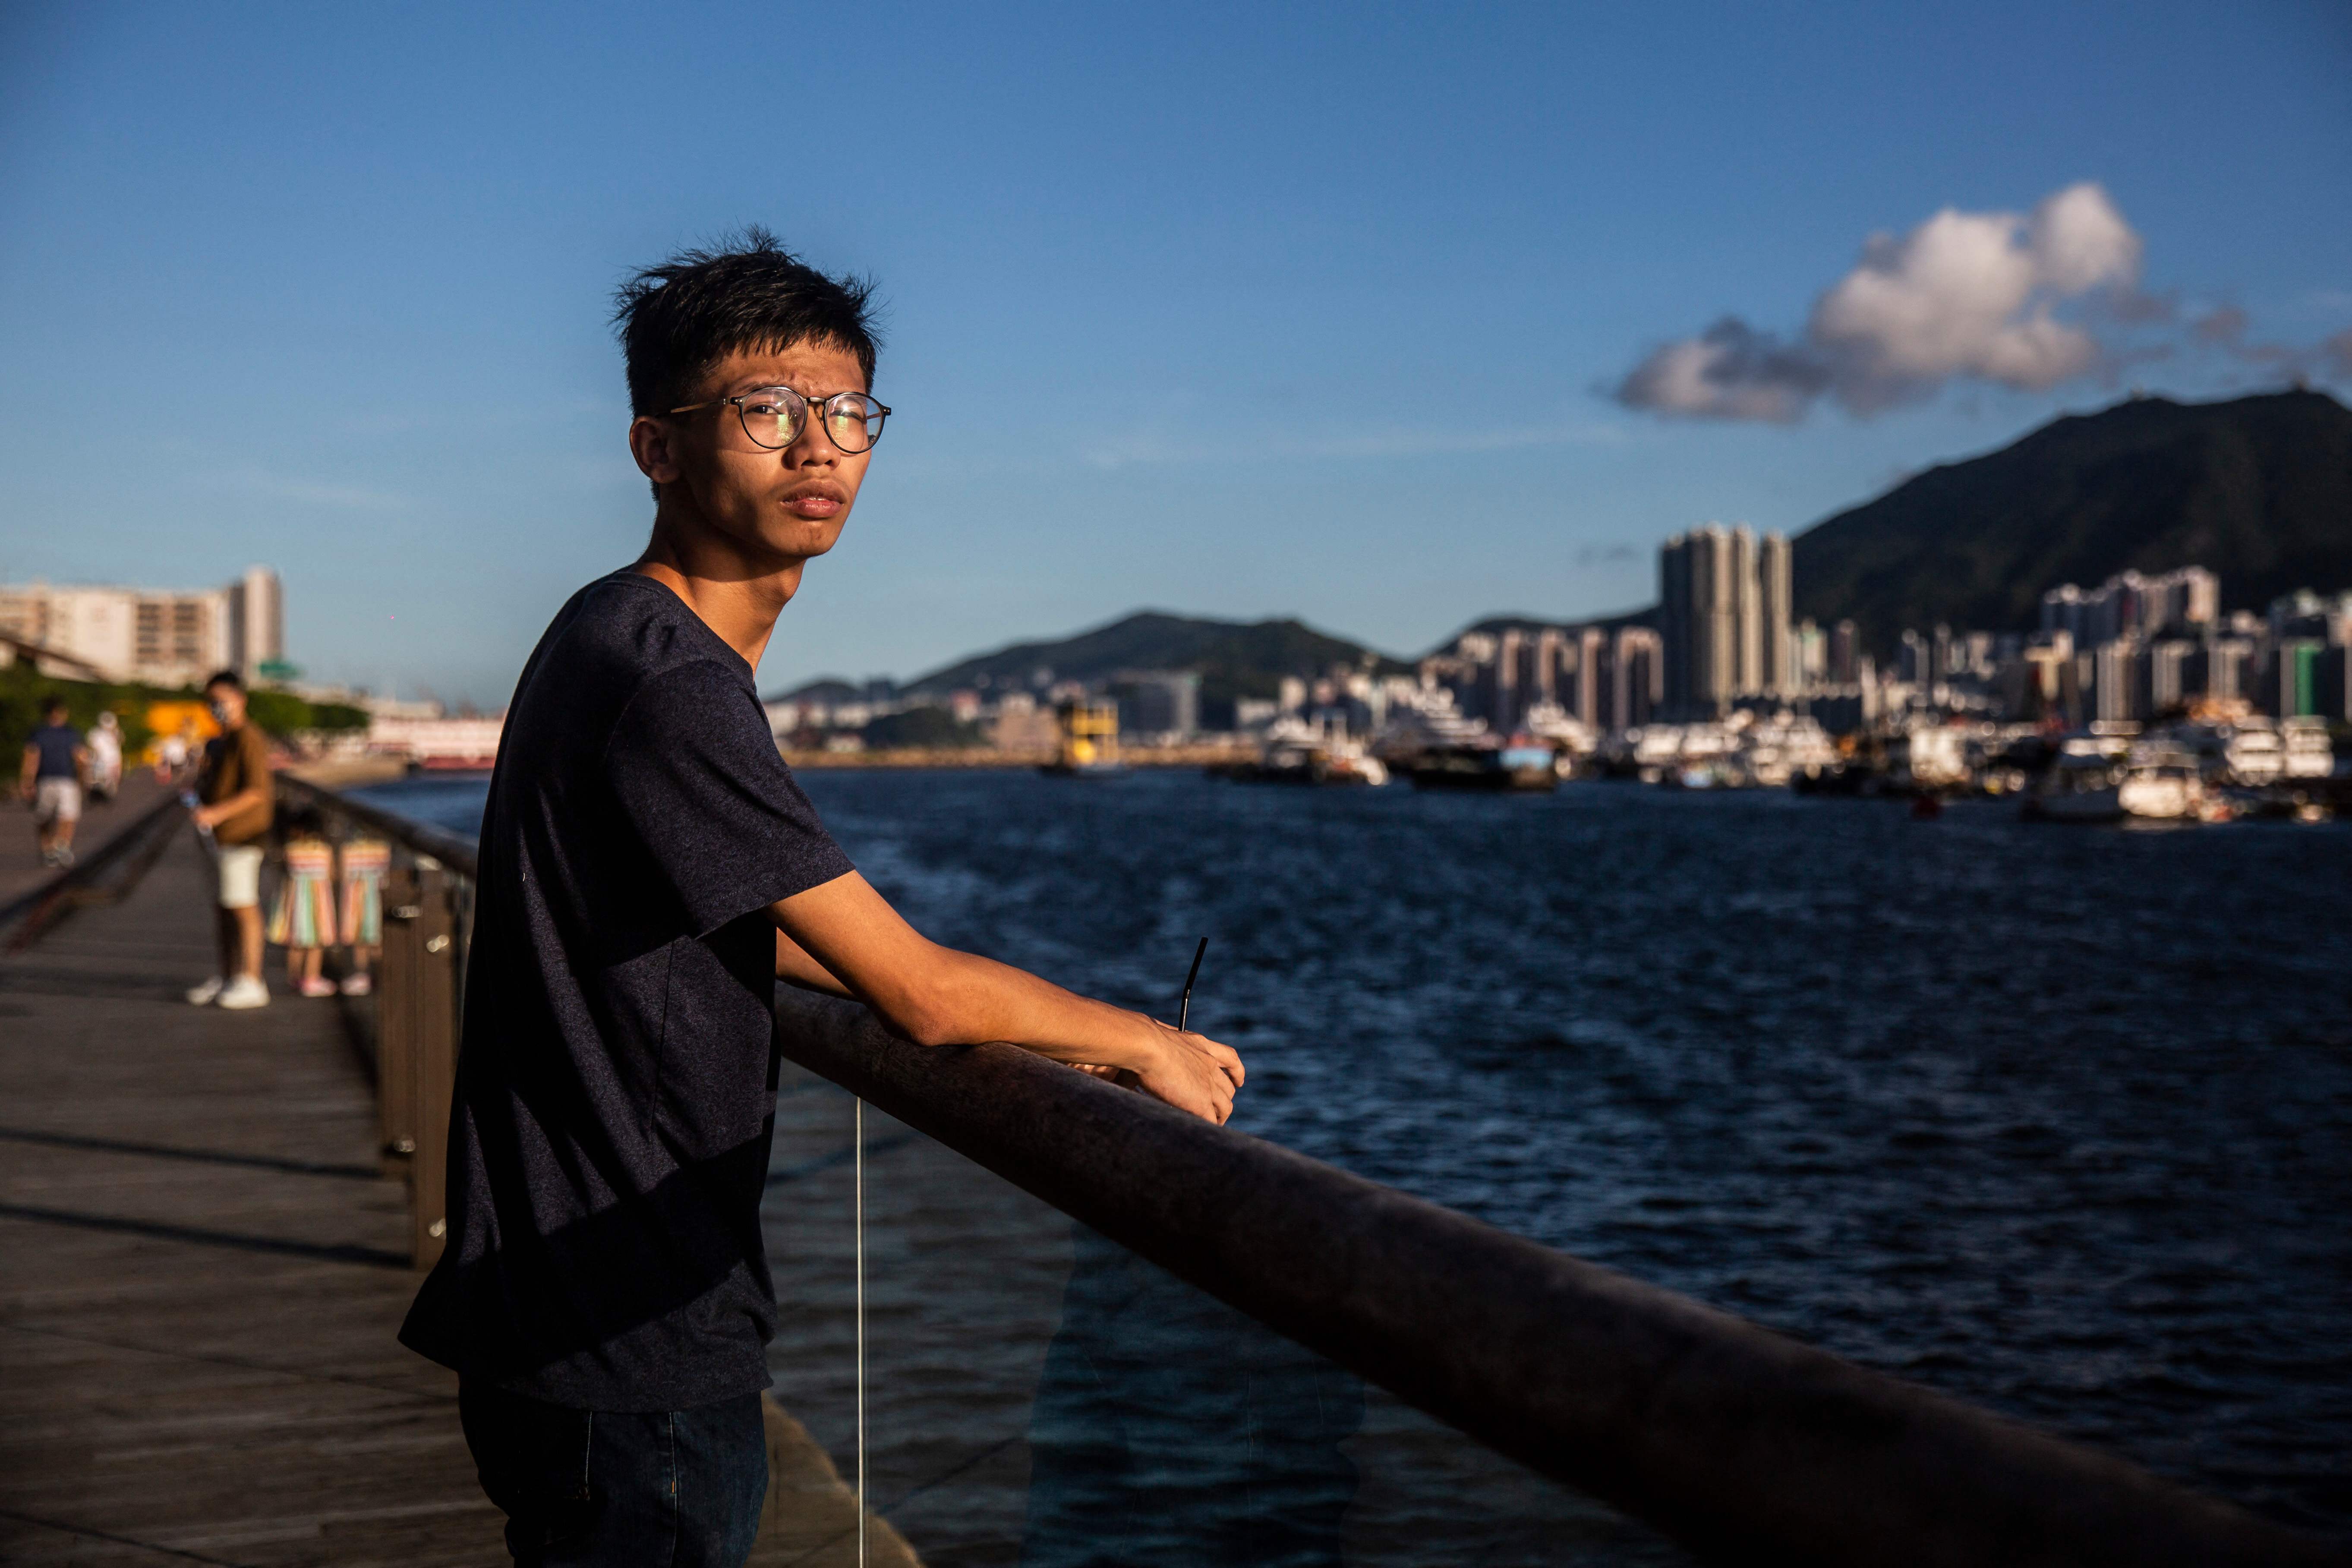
2306	751
2161	784
2085	784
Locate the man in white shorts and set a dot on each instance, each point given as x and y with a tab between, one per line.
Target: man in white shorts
235	804
56	764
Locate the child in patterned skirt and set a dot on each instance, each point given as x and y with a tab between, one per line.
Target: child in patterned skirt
302	920
365	860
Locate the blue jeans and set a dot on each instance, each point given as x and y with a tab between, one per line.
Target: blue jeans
602	1488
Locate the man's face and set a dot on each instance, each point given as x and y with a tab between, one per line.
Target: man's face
775	507
227	704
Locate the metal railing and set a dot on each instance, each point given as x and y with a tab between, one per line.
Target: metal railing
1745	1446
428	917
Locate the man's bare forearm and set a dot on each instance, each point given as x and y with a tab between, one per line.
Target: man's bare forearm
972	999
795	967
845	932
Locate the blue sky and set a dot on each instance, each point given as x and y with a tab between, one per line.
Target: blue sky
326	288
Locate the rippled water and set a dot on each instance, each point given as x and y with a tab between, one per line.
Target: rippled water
2056	1119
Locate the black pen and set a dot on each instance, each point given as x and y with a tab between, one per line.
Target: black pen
1184	1007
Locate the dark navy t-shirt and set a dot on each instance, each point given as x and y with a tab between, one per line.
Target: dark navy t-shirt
57	744
617	1077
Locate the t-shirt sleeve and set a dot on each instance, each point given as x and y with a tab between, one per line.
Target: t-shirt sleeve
697	775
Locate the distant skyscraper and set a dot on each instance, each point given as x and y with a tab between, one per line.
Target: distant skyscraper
1723	618
1590	685
1676	634
1637	678
1747	615
2130	604
1780	676
257	623
1845	654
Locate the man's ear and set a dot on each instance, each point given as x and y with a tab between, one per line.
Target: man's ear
652	442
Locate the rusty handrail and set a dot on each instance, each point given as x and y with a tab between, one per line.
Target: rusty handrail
1743	1444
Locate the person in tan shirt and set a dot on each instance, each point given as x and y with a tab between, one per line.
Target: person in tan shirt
235	804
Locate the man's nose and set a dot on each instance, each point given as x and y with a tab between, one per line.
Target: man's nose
811	447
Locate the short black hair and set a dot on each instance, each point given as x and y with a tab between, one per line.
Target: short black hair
223	678
677	319
53	703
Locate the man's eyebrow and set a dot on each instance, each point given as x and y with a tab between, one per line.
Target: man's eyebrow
754	384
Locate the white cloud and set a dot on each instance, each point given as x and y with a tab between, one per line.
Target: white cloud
1731	371
1962	295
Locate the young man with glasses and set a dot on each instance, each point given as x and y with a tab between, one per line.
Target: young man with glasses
649	869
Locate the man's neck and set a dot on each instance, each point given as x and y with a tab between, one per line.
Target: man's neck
737	597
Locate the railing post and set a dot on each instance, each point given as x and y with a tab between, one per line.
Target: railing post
395	1021
434	996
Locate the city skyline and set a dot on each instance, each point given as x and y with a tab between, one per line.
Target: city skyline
1097	238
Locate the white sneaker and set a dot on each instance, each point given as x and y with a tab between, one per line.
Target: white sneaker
203	996
244	991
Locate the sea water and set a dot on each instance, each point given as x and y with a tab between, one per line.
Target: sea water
2055	1119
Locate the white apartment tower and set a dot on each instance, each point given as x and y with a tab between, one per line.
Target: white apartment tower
165	636
1723	618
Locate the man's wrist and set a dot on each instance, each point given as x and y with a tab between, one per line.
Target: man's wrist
1150	1043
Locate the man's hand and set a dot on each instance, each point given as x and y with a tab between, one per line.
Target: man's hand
1191	1072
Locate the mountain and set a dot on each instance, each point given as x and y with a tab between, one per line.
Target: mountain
1647	616
2258	489
1235	659
829	689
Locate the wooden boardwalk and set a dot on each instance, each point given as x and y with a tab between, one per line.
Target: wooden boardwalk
21	871
201	1273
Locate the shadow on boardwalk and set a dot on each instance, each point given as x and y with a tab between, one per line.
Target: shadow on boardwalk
202	1276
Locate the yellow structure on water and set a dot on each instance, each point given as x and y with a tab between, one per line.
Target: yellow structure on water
1089	737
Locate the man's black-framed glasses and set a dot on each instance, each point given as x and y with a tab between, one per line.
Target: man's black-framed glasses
775	416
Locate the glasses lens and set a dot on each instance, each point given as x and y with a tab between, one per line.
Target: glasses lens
854	421
772	415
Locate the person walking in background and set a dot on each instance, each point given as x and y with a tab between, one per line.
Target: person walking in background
235	806
106	757
170	756
56	763
364	861
302	919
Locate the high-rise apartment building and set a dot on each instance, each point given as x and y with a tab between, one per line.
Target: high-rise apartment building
1776	581
1845	653
2131	603
1747	614
162	636
1723	618
1637	686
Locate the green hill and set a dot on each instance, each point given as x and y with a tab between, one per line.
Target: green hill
2258	489
1646	617
1234	658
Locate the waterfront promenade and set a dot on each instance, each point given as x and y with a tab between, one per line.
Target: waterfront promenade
21	874
204	1271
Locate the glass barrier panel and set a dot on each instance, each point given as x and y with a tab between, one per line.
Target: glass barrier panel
1039	1395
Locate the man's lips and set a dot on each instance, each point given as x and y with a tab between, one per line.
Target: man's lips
815	505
